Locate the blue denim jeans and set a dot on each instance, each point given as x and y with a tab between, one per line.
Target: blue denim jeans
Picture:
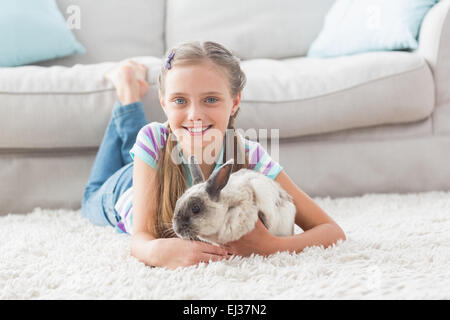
112	172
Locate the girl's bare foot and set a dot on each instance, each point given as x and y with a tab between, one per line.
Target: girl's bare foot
129	79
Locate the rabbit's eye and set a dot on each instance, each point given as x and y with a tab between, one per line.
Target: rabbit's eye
195	209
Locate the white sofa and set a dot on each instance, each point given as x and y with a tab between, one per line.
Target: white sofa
372	122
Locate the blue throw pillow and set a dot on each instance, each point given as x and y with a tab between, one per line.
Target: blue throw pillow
33	30
356	26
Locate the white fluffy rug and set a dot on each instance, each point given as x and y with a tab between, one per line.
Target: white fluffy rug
398	247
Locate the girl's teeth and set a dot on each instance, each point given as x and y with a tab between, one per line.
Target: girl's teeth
197	130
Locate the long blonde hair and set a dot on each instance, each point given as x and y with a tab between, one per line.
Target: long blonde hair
172	176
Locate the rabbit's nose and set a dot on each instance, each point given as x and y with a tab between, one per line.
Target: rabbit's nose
184	221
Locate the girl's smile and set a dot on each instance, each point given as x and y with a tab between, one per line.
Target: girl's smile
197	131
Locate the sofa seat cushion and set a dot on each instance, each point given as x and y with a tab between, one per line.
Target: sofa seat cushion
61	107
304	96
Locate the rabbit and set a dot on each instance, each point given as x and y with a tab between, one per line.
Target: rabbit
227	206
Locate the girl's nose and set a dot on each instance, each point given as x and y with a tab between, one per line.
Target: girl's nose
195	113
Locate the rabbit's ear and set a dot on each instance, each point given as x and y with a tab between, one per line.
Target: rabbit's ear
219	179
196	172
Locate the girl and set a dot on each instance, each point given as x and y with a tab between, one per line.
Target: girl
200	86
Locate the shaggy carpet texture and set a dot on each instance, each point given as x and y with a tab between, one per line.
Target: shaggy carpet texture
397	247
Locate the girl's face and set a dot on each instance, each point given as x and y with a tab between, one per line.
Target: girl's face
198	105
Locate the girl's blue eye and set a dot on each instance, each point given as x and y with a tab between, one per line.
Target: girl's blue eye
181	100
211	99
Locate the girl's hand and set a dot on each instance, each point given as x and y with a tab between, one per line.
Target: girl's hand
175	252
258	241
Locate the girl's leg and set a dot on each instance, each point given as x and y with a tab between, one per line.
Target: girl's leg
111	173
112	170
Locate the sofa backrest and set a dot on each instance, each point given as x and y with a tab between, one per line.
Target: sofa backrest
112	30
251	28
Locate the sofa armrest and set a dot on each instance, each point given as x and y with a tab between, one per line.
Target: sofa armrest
434	46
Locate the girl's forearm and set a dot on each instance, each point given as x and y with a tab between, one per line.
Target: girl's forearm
322	235
143	248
